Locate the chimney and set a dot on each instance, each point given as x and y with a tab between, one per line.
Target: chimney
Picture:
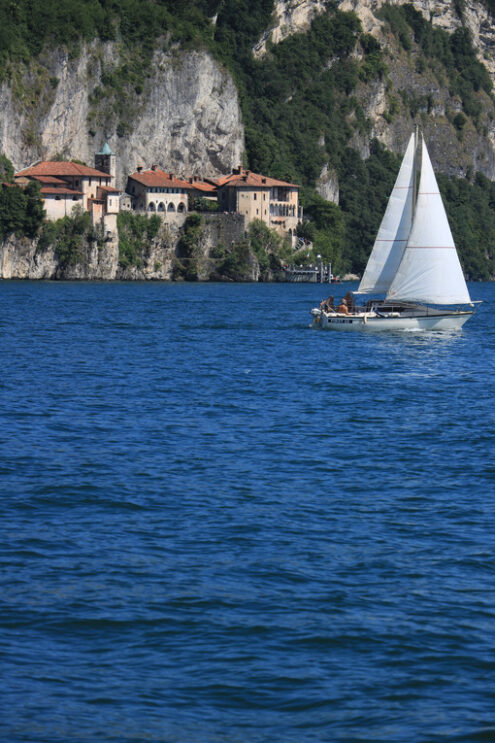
191	179
171	175
139	168
154	167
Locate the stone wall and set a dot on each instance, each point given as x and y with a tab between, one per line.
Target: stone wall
224	228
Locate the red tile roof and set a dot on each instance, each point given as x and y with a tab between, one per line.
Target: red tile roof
49	179
157	178
57	191
58	168
109	189
240	178
202	186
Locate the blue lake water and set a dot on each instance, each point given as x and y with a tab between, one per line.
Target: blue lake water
221	526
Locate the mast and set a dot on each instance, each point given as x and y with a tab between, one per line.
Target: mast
415	171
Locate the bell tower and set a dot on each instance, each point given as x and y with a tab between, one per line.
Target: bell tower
105	161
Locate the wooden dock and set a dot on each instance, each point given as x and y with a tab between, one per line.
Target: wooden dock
321	274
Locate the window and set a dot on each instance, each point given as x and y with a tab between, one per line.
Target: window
255	196
257	211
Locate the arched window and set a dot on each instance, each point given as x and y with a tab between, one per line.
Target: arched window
161	207
151	207
181	207
171	207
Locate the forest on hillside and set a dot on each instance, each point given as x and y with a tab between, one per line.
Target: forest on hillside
299	102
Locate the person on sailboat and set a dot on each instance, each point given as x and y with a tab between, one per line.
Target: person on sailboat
327	304
349	300
342	308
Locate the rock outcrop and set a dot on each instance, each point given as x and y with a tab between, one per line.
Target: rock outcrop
289	17
186	118
327	184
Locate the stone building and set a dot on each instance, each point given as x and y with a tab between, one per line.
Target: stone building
257	196
156	192
65	185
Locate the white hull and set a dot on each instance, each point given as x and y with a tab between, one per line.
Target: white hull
371	322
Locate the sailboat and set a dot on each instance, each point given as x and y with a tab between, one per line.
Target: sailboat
414	262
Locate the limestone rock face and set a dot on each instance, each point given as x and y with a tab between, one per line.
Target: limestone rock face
190	122
441	13
186	119
290	17
19	259
327	184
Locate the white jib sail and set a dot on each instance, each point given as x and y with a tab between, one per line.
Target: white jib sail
391	239
430	270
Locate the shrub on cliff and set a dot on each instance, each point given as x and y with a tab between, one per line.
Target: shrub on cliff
68	236
135	234
268	246
237	265
186	263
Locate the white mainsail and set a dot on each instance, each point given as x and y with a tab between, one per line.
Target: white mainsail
394	230
430	270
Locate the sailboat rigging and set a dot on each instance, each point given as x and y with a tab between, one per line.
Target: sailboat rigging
414	262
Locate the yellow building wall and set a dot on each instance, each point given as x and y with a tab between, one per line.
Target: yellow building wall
280	215
254	203
58	208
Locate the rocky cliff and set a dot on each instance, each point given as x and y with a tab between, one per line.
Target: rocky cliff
183	115
165	257
387	103
295	16
289	17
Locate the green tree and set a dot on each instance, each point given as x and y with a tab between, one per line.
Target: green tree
6	169
34	211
